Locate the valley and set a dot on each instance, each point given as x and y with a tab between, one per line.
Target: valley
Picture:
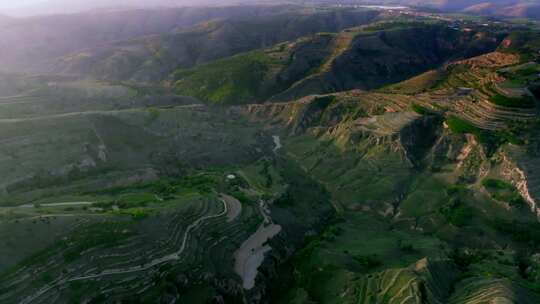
293	154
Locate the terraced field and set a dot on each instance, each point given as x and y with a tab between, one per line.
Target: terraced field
390	163
123	249
471	89
400	158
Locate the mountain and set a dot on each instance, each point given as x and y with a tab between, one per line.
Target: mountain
153	58
501	8
355	58
288	154
56	7
30	44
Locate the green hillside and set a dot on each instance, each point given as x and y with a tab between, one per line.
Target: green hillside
152	58
287	154
355	58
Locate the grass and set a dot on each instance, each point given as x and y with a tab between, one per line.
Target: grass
107	234
491	140
241	197
457	213
525	233
131	148
418	84
420	109
503	191
233	80
347	178
513	102
497	184
522	75
262	176
526	43
368	261
133	199
351	245
460	126
393	25
254	76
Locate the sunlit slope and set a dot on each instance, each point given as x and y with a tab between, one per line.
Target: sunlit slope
406	173
357	58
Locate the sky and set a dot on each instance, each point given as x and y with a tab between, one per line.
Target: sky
38	7
8	4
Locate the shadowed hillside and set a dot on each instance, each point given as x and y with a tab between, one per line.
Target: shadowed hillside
271	154
363	58
153	58
34	43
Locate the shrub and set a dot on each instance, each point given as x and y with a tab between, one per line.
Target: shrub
497	184
368	261
241	196
456	213
419	109
458	125
513	102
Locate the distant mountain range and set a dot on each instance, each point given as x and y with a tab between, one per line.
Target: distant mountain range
509	8
28	43
503	8
48	7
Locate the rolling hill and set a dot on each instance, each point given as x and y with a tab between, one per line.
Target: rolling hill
356	58
295	155
33	44
153	58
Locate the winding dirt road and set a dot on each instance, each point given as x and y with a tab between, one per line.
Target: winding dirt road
171	257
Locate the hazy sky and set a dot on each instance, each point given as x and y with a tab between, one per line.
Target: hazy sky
33	7
5	4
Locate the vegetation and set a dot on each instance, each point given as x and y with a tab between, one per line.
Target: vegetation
234	80
523	42
461	126
490	139
106	234
524	233
504	191
420	109
513	102
116	187
456	212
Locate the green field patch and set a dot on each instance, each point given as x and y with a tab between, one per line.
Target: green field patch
350	180
521	76
525	43
420	109
460	126
135	199
503	191
456	212
418	84
491	140
231	80
525	233
198	294
263	176
513	102
427	194
395	24
104	235
357	244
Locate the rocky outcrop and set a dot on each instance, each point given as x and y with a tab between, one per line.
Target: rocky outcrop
330	118
519	168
